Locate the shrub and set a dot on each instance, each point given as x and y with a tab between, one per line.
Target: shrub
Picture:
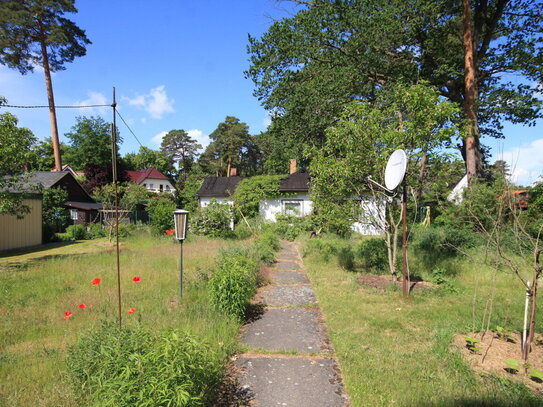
161	214
345	258
442	242
373	254
324	248
290	227
133	367
233	283
266	244
213	220
77	232
96	231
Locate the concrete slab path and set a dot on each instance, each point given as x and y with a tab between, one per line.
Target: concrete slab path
290	361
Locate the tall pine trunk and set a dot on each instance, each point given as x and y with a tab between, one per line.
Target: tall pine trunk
51	100
473	154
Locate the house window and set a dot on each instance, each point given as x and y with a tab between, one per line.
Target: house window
144	185
73	214
167	187
292	207
161	188
151	186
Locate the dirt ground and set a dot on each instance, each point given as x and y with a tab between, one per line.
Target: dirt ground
495	350
382	282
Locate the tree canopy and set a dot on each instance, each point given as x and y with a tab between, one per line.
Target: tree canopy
179	147
308	67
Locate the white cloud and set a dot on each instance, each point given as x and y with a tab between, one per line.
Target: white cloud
200	137
156	102
94	98
157	139
267	120
526	162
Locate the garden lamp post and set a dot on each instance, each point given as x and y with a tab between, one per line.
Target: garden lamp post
181	218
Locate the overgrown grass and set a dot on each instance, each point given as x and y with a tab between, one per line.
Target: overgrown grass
34	295
395	351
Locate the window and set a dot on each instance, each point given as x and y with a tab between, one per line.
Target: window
167	187
73	214
161	188
144	185
151	186
292	207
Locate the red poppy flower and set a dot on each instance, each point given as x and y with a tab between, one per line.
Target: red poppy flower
136	279
68	314
82	306
131	310
169	232
96	281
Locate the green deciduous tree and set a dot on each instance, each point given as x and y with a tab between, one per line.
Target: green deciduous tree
149	158
308	67
90	139
15	155
36	33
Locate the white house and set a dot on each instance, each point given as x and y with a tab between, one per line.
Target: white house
152	179
295	200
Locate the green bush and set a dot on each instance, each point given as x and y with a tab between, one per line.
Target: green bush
345	258
373	254
290	227
133	367
266	244
161	214
213	220
96	231
242	231
441	242
77	232
233	283
323	247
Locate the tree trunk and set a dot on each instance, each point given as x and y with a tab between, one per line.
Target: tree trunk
51	100
531	326
473	154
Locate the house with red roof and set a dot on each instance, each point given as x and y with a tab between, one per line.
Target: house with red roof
152	179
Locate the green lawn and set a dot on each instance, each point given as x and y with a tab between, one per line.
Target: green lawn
398	352
38	286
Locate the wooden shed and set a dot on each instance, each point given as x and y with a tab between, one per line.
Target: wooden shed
18	233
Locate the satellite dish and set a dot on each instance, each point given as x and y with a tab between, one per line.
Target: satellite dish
395	170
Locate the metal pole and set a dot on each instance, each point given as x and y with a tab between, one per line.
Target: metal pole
181	269
114	176
404	239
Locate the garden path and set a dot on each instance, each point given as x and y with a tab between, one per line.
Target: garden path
290	361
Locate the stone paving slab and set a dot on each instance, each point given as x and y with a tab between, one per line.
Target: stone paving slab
287	329
288	277
299	382
290	256
287	265
286	295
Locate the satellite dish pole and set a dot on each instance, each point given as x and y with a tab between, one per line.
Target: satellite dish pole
394	176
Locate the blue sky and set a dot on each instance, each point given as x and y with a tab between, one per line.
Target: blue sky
179	65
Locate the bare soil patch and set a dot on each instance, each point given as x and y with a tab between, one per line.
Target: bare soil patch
495	351
382	282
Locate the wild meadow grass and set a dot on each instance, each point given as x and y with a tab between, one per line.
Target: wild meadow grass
36	291
398	352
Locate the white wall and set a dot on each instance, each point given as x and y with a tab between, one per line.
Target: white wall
156	185
269	208
372	220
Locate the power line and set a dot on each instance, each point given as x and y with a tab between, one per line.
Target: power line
56	107
128	127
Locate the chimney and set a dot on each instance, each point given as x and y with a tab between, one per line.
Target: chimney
233	172
292	166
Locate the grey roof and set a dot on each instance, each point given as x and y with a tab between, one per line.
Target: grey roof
218	187
297	182
84	205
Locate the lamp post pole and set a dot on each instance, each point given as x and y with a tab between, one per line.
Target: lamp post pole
181	268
